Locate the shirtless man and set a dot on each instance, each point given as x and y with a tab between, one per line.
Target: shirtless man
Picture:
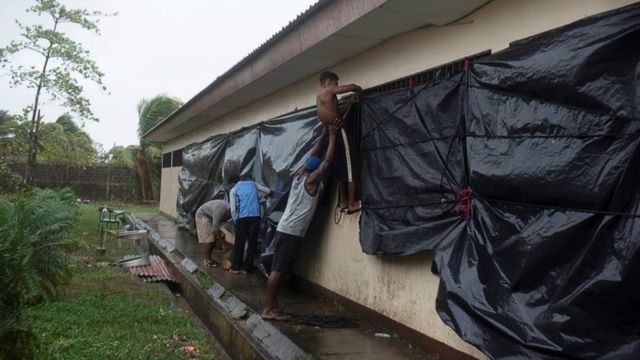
329	113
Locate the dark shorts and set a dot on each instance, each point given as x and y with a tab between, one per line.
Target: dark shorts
286	251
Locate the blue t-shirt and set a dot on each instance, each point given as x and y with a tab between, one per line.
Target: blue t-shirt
247	201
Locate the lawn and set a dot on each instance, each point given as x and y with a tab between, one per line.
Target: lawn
104	312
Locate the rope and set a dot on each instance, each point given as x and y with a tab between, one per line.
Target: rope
337	213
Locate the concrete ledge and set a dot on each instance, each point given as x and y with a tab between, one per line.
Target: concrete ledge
242	333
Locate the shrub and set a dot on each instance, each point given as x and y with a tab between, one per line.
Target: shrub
34	229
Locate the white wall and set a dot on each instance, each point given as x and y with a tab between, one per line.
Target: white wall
169	190
402	288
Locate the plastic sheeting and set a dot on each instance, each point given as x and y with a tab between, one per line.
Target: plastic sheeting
546	136
269	153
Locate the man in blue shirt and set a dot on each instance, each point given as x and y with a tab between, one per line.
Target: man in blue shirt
245	210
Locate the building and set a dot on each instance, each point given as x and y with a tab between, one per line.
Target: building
370	43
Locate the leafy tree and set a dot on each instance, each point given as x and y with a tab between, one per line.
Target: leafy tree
63	62
70	127
34	229
9	180
6	128
120	155
63	142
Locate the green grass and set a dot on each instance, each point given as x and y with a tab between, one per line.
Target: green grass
106	313
204	279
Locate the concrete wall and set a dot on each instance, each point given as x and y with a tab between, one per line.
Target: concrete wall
401	288
90	182
169	190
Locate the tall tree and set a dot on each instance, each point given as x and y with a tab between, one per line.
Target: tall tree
64	61
148	158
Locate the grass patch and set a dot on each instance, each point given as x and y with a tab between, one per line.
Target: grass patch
204	279
107	313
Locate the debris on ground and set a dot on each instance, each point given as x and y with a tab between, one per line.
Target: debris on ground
149	268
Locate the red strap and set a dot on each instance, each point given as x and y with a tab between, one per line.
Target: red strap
464	205
410	83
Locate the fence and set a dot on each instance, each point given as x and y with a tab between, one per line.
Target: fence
91	182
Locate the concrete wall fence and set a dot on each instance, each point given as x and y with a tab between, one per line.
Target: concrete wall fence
90	182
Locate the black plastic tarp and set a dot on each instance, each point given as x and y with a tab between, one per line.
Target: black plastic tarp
546	136
269	152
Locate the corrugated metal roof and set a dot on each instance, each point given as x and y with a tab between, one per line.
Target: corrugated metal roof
156	270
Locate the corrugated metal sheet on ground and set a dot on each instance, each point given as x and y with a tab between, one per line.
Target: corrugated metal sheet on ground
156	270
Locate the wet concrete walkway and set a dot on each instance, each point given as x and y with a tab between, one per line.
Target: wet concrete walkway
322	343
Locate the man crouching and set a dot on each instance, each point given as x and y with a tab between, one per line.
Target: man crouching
301	205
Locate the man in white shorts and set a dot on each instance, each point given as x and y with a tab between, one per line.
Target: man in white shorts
208	219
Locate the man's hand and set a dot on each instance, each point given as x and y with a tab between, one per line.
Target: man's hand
357	88
334	126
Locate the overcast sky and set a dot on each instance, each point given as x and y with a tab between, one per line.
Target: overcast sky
152	46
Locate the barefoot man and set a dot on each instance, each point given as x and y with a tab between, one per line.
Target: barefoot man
328	112
302	202
208	219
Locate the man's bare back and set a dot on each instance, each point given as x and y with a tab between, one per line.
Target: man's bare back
327	103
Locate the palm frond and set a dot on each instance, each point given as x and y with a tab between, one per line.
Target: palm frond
152	111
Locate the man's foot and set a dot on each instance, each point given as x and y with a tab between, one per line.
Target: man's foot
354	208
226	264
210	263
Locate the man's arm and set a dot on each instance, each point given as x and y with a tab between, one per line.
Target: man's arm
341	89
317	148
314	178
232	204
263	189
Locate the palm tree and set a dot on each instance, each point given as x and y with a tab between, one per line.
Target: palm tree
34	230
148	157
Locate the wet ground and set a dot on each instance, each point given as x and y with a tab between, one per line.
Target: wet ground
323	343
